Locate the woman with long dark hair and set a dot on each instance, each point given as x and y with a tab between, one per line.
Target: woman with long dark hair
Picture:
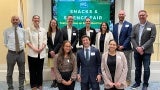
103	37
114	68
54	42
65	67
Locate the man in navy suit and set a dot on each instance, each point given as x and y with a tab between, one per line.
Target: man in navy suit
89	60
121	33
70	33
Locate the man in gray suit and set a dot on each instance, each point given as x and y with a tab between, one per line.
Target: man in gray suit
142	37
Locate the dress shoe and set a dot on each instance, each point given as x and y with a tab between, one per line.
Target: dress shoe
144	88
54	84
135	86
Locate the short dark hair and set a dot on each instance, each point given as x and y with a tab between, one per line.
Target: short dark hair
113	40
85	36
87	18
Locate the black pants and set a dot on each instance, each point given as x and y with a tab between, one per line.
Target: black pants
142	60
36	71
113	89
66	76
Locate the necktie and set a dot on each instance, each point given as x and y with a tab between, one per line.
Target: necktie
87	54
16	41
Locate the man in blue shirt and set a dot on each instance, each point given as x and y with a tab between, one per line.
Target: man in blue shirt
121	33
14	39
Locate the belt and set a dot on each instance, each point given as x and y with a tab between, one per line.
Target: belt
14	52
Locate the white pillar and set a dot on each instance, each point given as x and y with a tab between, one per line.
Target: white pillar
119	4
34	7
46	13
136	6
131	7
128	9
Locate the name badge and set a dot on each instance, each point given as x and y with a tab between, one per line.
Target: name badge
126	25
148	29
91	30
68	60
92	53
74	34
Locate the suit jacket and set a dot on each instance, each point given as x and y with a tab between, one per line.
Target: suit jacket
57	42
124	37
108	37
74	36
92	35
120	72
147	38
89	69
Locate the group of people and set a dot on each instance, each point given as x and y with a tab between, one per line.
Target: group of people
99	56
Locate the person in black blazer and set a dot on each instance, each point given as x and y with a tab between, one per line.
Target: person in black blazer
54	42
89	60
89	31
70	33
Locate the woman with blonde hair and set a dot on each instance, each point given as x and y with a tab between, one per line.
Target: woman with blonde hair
36	40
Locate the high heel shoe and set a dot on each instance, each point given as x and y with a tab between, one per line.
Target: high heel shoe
54	84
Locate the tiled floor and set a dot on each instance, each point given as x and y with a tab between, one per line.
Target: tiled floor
46	86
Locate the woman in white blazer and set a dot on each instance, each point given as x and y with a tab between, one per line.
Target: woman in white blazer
114	68
103	37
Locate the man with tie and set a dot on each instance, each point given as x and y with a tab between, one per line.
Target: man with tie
121	33
70	33
89	65
142	37
14	40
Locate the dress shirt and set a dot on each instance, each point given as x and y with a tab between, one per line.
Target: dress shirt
119	30
69	31
88	33
53	36
89	50
32	37
140	32
9	38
